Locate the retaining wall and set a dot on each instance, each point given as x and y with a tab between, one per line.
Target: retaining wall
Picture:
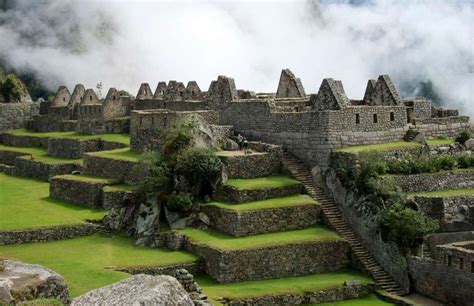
79	192
234	195
16	115
27	167
73	148
107	167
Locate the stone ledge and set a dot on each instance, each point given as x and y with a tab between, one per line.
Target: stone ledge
322	296
26	167
107	167
231	194
120	198
192	267
75	148
8	157
251	222
24	141
51	233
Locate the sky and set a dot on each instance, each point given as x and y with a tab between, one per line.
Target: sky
124	43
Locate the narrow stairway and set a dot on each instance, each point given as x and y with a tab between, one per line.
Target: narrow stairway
333	215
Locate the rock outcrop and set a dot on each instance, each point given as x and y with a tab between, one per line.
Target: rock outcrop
21	282
139	289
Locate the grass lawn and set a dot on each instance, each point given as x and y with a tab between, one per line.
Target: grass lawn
121	187
86	263
124	154
87	178
40	154
294	200
439	141
263	182
389	146
445	193
369	300
25	203
300	284
121	138
218	240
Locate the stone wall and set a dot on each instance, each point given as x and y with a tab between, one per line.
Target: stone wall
27	167
321	296
16	115
24	141
365	222
272	261
448	126
120	198
52	233
170	105
73	148
9	157
433	181
86	193
193	268
256	164
234	195
251	222
96	165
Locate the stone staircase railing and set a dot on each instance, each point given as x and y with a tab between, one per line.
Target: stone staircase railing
334	217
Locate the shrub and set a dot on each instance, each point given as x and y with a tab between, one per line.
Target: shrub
463	136
406	226
201	168
465	161
11	88
179	202
446	162
154	172
178	138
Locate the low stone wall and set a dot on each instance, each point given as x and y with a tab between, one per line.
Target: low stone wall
49	233
120	198
272	261
16	115
24	141
433	181
73	148
27	167
235	195
193	268
79	192
322	296
107	167
253	165
9	157
244	223
446	284
117	126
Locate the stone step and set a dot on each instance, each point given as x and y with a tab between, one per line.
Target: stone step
256	189
118	164
252	165
267	256
80	189
257	217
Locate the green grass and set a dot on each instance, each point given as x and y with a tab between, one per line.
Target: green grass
445	193
123	154
87	178
369	300
25	204
218	240
121	187
41	302
87	262
439	141
40	154
294	285
263	182
381	147
294	200
121	138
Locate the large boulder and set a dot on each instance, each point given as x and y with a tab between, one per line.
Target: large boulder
21	282
137	290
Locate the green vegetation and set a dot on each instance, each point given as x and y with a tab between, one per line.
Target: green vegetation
10	87
41	302
445	193
440	140
294	200
120	138
223	241
40	154
121	187
123	154
369	300
295	285
25	203
87	263
389	146
179	202
177	138
463	136
88	178
263	182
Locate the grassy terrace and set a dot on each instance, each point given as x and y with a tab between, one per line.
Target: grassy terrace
88	178
295	285
294	200
223	241
389	146
369	300
25	203
121	187
263	182
445	193
121	138
123	154
88	262
40	154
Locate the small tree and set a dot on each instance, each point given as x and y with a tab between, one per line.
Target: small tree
463	136
155	175
11	88
177	139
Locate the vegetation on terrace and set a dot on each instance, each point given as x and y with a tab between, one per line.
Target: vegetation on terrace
121	138
40	154
25	203
88	262
262	182
446	193
369	300
290	285
123	154
294	200
223	241
395	145
88	178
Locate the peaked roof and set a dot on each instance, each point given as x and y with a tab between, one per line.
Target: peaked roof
289	86
144	92
331	96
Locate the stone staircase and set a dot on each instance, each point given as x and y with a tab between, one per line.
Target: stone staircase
335	219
